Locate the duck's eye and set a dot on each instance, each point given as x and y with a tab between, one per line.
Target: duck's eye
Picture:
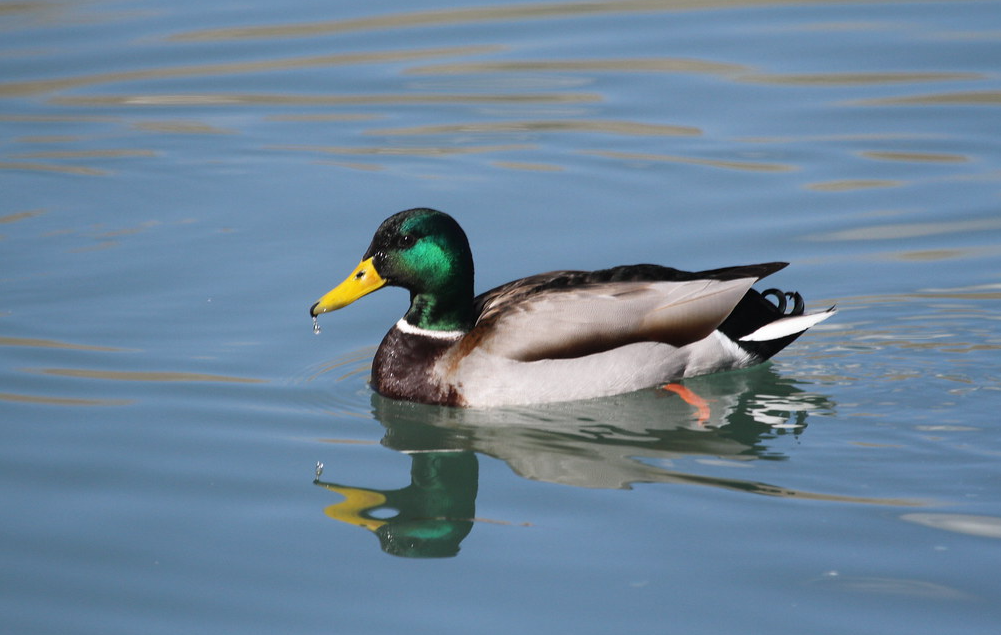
407	240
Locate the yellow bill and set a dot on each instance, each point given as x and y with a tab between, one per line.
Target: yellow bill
362	281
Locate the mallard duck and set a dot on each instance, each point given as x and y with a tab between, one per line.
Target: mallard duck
558	336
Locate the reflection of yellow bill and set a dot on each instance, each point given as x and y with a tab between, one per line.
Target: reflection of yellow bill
355	502
362	281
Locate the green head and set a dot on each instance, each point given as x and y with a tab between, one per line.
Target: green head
424	251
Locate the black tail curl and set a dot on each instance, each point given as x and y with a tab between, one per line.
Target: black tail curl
781	298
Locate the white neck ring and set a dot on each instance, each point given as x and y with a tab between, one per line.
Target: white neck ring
410	329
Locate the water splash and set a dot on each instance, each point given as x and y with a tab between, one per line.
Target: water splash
316	326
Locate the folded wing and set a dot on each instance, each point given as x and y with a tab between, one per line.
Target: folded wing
559	322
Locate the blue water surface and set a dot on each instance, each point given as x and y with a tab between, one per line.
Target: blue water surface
181	181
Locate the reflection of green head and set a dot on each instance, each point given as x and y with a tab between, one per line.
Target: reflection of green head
433	514
432	538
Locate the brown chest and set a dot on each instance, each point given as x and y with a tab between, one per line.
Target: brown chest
404	368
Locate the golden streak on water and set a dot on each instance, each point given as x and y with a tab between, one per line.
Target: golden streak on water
272	99
325	116
128	231
916	157
49	139
471	15
51	167
62	401
13	218
32	87
531	167
897	231
637	65
823	138
727	164
58	119
117	375
559	125
425	151
419	18
969	98
933	255
84	154
41	343
180	127
856	79
851	185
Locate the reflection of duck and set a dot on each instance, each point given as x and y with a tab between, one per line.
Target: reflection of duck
557	336
615	441
428	518
601	443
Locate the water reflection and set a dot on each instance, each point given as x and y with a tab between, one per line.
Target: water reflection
287	99
899	231
469	15
915	157
13	218
562	125
883	587
967	98
857	79
620	65
984	526
727	164
61	401
602	443
430	517
37	86
46	343
852	185
614	442
140	375
50	167
404	151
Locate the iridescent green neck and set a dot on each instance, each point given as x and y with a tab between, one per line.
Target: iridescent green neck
450	310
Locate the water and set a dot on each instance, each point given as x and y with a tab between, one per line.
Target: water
181	181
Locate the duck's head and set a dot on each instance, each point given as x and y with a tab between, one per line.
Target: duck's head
424	251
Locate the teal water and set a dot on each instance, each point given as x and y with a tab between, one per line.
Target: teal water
182	180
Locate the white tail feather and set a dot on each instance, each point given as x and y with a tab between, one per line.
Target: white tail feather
783	327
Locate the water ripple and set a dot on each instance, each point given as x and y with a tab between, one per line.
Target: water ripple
34	87
726	164
624	65
145	376
275	99
560	125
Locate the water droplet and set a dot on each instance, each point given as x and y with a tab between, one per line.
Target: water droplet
319	469
316	326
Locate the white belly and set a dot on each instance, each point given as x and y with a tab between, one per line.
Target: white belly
485	380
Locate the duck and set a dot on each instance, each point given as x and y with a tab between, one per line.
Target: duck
557	336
